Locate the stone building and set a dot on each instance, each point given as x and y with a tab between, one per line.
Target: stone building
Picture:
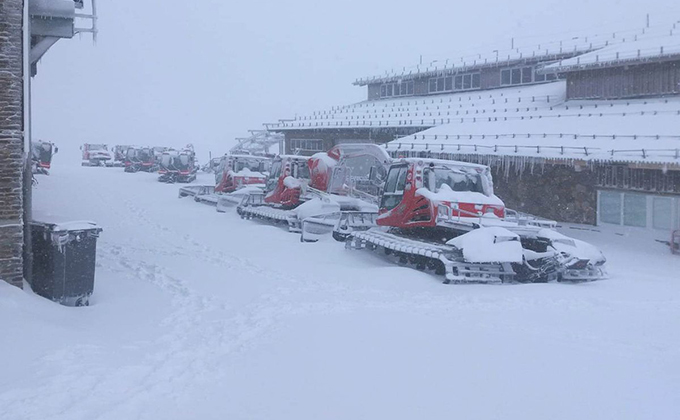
49	21
12	148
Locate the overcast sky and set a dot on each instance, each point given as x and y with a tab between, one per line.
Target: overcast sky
167	72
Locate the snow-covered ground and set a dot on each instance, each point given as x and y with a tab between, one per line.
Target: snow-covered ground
201	315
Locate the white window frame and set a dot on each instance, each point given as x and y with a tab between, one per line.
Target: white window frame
312	145
547	78
453	77
675	210
396	87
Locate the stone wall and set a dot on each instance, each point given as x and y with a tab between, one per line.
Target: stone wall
557	192
11	141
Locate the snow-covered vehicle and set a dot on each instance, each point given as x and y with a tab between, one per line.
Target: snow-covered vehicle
236	177
42	152
96	155
177	166
334	191
140	159
119	153
286	190
238	171
350	175
212	165
443	216
132	162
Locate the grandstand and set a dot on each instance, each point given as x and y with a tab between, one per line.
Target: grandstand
585	130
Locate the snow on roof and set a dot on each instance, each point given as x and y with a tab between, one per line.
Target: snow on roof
652	45
426	111
642	130
535	52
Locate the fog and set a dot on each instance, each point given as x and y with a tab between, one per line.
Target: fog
172	73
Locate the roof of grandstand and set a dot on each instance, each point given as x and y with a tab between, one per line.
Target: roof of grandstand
648	47
564	49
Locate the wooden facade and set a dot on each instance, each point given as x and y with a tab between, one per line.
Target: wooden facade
629	81
327	138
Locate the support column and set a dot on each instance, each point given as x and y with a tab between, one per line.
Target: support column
11	140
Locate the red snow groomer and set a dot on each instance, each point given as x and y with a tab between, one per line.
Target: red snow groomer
236	177
42	152
119	154
132	162
140	159
238	171
286	189
350	175
443	216
334	191
147	160
177	166
96	155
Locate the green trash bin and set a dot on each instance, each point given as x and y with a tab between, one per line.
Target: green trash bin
64	256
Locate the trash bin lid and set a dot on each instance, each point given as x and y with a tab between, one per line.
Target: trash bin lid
56	225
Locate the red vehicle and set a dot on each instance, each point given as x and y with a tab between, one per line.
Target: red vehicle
140	159
237	171
119	154
96	155
350	175
349	167
415	189
177	166
42	155
147	160
286	189
443	215
289	174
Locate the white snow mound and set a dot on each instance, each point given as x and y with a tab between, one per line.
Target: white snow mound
445	193
492	244
291	182
316	207
574	247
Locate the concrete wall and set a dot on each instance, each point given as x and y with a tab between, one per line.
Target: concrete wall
374	92
11	141
652	79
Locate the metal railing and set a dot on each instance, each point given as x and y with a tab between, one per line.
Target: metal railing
584	151
432	122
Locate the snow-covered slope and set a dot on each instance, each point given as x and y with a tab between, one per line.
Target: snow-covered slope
201	315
